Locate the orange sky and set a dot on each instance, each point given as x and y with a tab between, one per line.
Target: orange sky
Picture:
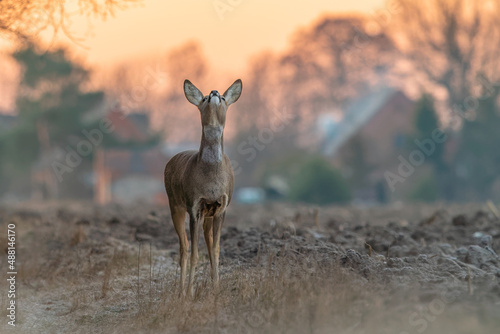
249	27
149	30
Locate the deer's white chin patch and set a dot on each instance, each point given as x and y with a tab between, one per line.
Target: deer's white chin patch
215	100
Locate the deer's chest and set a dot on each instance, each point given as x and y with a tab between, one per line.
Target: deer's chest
210	183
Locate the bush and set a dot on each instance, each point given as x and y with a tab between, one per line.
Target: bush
425	190
319	183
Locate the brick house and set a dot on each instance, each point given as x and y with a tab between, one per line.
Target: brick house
123	175
376	127
129	175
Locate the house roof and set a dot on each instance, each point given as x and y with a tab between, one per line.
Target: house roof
355	117
128	128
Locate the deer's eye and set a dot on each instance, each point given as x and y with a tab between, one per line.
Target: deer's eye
204	99
223	99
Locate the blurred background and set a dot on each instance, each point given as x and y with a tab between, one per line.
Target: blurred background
365	102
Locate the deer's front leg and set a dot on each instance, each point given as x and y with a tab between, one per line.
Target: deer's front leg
195	219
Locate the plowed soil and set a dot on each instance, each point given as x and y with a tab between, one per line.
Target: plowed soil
284	269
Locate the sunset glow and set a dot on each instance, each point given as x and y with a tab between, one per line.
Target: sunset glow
229	34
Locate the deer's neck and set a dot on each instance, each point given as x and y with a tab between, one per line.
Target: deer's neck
211	147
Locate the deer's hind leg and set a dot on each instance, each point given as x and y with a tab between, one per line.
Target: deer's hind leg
217	227
214	216
207	231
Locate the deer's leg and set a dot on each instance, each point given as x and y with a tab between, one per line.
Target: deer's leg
195	217
179	220
217	227
207	230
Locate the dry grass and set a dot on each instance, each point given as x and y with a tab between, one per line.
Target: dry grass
70	282
289	293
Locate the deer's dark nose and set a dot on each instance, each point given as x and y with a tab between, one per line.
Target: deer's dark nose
214	93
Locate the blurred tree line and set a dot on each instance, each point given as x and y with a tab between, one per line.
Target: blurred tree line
50	105
444	52
53	107
53	98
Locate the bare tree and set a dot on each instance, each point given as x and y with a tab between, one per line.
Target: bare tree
184	62
336	60
454	43
328	64
26	18
261	93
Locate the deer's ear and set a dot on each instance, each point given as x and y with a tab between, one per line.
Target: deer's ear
232	94
192	93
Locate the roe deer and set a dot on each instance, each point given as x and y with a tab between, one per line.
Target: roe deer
201	182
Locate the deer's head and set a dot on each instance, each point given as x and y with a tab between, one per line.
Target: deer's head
212	107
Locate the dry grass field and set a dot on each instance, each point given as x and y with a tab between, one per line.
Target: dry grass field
284	269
